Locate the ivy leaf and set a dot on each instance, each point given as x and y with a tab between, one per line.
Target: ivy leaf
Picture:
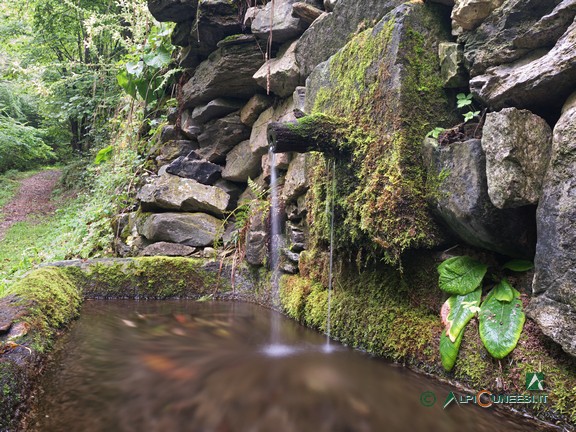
449	350
501	324
461	275
460	310
504	292
518	265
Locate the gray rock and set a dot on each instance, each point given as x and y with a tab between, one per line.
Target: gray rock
241	164
554	307
190	229
181	34
330	32
296	210
217	20
174	149
281	162
281	75
215	109
534	81
463	204
468	14
170	192
173	10
256	247
220	136
299	98
284	112
330	4
167	249
297	178
232	189
283	25
289	261
254	107
296	237
200	170
306	12
452	69
516	29
170	133
517	145
250	14
172	115
190	127
227	71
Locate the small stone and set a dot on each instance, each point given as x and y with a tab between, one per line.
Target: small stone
254	107
215	109
202	171
279	22
220	136
190	127
167	249
281	74
241	164
452	70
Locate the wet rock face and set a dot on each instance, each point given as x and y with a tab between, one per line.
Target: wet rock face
517	145
173	10
463	203
554	307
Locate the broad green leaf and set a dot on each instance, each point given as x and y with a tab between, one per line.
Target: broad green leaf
461	309
135	68
461	275
501	324
504	291
127	83
449	350
518	265
158	59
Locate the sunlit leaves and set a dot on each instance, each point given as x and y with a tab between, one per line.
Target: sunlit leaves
518	265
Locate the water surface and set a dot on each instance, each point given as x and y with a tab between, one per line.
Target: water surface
231	367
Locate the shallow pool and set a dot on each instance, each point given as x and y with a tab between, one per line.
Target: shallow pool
232	367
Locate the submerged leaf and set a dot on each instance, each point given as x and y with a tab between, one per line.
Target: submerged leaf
501	324
449	350
518	265
461	309
461	275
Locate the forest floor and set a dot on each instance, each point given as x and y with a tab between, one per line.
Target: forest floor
34	198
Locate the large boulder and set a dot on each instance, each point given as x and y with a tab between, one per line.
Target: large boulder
173	10
554	304
190	229
462	202
517	145
281	75
279	20
227	71
523	54
330	32
169	192
192	168
241	164
220	136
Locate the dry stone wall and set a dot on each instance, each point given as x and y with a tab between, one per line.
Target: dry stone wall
516	57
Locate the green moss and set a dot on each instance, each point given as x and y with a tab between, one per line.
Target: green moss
52	300
147	278
380	201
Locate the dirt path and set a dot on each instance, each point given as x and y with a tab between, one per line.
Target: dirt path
33	198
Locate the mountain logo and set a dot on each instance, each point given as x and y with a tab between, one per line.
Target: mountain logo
535	381
449	399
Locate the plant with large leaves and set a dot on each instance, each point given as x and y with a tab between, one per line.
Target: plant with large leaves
500	315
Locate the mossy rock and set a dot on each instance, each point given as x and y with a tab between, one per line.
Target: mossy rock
386	83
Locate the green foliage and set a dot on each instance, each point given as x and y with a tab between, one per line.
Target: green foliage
518	265
461	309
461	275
465	100
500	315
449	350
104	155
501	320
435	133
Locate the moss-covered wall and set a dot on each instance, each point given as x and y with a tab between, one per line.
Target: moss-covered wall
395	315
386	83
